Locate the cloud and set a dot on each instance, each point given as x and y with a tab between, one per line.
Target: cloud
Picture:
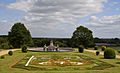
57	16
105	26
23	5
103	21
4	27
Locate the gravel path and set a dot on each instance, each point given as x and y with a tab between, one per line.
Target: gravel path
3	52
102	53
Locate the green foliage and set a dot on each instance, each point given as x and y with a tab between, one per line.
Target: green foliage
96	48
3	40
2	57
109	53
10	53
40	42
24	49
103	48
113	41
4	46
81	48
10	47
82	36
60	44
19	36
97	53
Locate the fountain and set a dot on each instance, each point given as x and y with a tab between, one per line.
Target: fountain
51	47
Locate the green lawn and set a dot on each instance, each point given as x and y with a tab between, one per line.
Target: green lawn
15	64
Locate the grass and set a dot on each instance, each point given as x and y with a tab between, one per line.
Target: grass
19	59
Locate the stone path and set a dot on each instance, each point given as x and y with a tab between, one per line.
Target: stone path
102	53
3	52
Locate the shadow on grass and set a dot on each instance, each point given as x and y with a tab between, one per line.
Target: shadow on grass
117	62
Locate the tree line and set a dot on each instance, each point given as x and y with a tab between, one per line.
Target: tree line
19	36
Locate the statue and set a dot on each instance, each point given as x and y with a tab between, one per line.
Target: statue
57	47
44	49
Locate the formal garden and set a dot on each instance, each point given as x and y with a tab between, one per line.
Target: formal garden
61	62
77	55
49	62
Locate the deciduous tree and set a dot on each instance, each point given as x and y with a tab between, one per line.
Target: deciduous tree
19	36
82	36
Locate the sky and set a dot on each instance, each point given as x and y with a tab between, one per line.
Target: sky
60	18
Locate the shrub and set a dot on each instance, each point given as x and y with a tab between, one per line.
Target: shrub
103	48
96	48
109	53
97	53
81	48
24	49
10	53
2	57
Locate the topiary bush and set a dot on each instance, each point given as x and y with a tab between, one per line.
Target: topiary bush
2	57
97	53
81	48
24	49
103	48
10	53
109	53
96	48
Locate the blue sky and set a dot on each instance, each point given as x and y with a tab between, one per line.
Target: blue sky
59	18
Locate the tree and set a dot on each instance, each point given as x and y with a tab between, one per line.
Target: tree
82	36
61	44
19	36
4	44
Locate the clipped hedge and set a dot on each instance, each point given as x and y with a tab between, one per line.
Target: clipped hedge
10	53
81	48
97	53
109	53
24	49
2	57
103	48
